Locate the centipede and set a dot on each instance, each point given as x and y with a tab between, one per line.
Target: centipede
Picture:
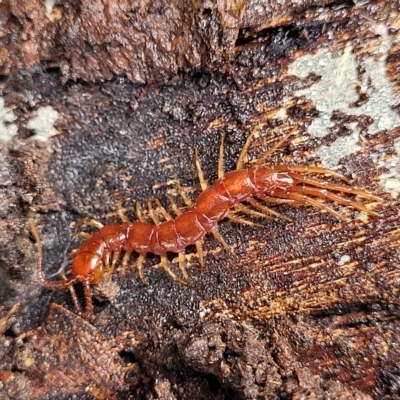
247	189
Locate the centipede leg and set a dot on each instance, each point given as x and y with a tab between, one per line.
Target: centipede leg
234	218
125	260
221	171
203	182
182	267
269	199
334	186
139	213
82	234
268	210
88	221
107	261
114	260
326	194
200	253
243	154
220	239
309	169
139	266
121	212
167	268
244	209
182	193
163	211
174	206
266	155
303	199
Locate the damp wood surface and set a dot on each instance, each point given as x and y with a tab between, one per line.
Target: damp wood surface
300	309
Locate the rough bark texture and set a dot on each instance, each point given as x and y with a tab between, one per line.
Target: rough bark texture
307	309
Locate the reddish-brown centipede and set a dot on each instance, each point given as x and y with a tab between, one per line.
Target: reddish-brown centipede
269	183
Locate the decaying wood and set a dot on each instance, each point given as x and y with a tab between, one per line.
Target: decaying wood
301	309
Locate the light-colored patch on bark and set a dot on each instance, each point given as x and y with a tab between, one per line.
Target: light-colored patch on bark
43	123
7	128
337	88
390	180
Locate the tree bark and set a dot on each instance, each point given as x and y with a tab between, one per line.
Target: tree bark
108	101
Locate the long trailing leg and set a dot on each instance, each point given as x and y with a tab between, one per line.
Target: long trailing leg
333	186
326	194
299	198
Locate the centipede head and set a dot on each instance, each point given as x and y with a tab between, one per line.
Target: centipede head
88	266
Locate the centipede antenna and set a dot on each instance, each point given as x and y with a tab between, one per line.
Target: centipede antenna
167	268
268	153
203	182
74	297
220	239
326	194
268	210
42	279
221	171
